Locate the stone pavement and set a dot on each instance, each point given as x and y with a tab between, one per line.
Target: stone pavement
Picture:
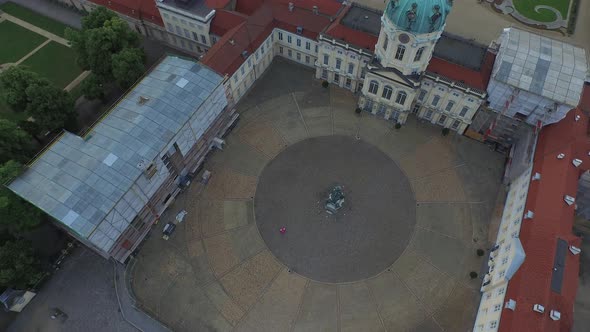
84	289
216	272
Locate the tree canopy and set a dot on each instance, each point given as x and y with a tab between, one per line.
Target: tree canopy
15	143
19	268
17	214
13	84
103	34
128	66
50	106
92	87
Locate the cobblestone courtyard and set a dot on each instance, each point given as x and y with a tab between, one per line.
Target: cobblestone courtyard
216	272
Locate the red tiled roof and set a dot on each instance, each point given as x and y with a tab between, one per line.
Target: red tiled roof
225	20
354	37
478	79
553	219
138	9
225	56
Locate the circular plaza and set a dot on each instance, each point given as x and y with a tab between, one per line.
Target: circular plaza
395	254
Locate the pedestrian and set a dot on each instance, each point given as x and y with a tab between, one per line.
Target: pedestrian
283	230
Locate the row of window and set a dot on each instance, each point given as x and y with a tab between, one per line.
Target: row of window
297	55
336	80
339	63
448	107
387	92
298	42
183	21
401	51
187	34
258	54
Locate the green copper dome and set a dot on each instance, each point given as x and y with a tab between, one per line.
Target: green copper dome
418	16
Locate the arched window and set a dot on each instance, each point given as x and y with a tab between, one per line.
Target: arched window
373	87
418	55
387	91
401	98
399	54
435	100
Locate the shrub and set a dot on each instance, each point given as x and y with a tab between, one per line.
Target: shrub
480	252
445	131
398	125
358	110
473	274
325	84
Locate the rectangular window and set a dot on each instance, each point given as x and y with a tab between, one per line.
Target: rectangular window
235	79
399	54
249	62
289	39
350	68
326	59
401	98
182	43
464	111
504	260
450	106
428	114
289	53
308	45
418	55
336	78
298	56
456	124
170	27
187	34
262	49
178	30
183	22
373	87
387	91
338	63
501	291
497	307
281	49
493	324
422	95
316	48
298	42
442	119
435	100
242	70
307	59
348	83
324	74
203	39
385	42
280	35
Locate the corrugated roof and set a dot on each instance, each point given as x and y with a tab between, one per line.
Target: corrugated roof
79	180
541	65
552	222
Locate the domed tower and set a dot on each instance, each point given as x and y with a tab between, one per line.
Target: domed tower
409	31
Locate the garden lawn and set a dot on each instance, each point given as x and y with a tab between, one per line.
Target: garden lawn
55	62
16	41
527	9
34	18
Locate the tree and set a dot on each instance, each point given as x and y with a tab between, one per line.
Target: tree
95	44
15	143
19	268
128	66
96	18
50	106
92	88
14	82
17	214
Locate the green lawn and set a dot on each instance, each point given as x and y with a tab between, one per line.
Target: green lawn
17	41
527	9
34	18
55	62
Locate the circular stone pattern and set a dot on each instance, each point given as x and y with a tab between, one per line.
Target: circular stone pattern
363	238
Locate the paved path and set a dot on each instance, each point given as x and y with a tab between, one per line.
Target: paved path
32	52
36	29
84	289
216	272
51	9
135	317
77	80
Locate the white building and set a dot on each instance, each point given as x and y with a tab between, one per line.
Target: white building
107	187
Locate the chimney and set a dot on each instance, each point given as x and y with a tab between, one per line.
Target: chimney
291	6
232	42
